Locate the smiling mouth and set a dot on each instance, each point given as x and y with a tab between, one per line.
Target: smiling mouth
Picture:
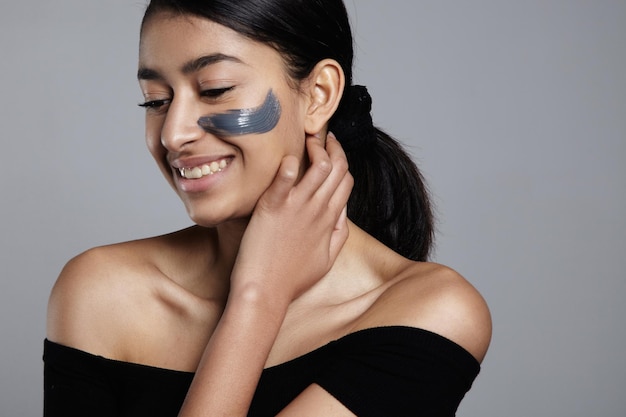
203	170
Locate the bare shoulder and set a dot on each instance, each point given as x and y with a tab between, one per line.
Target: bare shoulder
438	299
85	301
93	302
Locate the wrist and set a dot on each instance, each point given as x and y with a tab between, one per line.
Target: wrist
261	301
236	353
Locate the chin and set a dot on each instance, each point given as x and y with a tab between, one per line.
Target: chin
213	217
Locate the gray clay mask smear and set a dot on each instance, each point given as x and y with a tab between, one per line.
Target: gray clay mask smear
256	120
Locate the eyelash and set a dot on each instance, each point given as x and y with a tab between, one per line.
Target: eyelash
154	104
216	92
212	94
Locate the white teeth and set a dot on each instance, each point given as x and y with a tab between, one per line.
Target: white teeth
196	173
201	171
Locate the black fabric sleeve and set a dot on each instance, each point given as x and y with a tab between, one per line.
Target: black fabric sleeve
387	371
379	372
77	383
399	371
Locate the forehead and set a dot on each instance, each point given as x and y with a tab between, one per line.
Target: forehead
171	39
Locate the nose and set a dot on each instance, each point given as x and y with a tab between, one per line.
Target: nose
180	127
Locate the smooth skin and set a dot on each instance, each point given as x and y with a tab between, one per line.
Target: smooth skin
273	269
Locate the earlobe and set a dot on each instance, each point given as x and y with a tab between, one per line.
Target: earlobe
324	90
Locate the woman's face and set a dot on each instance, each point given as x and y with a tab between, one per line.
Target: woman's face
221	114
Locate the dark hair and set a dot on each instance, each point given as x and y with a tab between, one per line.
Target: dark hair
390	200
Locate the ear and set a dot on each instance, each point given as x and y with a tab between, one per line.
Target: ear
323	89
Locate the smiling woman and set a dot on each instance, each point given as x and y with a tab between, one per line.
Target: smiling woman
185	88
303	289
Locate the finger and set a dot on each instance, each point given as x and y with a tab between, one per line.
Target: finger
335	152
339	235
320	166
342	219
339	198
283	183
339	163
332	139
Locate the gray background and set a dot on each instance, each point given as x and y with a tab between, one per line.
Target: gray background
515	110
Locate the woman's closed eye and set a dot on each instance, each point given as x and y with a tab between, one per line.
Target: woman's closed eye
154	104
214	93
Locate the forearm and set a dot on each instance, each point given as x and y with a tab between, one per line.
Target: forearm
234	358
292	240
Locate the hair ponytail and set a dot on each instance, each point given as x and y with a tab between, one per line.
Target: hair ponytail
390	200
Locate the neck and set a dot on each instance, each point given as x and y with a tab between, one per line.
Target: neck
229	237
354	272
214	251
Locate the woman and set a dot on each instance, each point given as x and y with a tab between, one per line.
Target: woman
276	302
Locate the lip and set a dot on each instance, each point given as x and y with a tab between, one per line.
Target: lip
198	185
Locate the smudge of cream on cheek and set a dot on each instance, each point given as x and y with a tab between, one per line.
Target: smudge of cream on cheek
239	122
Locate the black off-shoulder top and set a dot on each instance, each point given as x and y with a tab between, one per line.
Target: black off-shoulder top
382	371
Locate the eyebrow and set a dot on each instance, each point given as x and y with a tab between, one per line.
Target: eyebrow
194	65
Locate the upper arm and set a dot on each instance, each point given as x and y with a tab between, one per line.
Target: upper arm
457	311
437	299
76	385
84	303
